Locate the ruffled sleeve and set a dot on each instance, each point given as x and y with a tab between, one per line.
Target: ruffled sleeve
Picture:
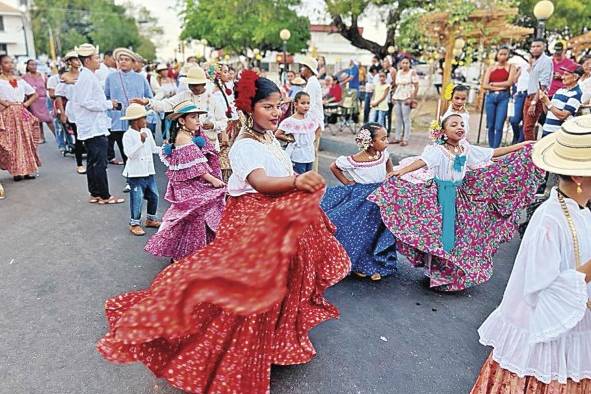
432	156
558	298
343	163
186	162
478	155
245	157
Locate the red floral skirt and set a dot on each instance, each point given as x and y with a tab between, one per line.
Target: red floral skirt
19	135
495	380
214	322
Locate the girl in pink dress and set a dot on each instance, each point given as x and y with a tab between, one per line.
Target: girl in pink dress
39	106
195	190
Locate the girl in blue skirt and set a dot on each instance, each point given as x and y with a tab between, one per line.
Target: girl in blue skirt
370	245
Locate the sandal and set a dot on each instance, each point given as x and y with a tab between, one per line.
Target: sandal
81	170
360	275
395	141
403	143
93	200
111	200
116	162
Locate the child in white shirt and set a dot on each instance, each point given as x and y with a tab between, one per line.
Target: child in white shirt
459	97
300	131
139	147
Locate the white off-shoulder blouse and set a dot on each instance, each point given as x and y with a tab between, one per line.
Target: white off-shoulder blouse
543	326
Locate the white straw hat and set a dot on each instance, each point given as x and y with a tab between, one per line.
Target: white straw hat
567	151
86	50
125	52
185	107
195	76
311	63
70	55
162	67
135	111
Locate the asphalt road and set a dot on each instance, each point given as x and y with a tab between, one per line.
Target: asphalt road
61	257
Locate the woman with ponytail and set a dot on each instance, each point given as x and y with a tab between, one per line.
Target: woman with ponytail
216	321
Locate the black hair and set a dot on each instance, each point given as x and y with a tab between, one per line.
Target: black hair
299	95
27	64
539	40
566	178
444	123
3	56
83	59
108	53
459	88
373	128
264	88
61	70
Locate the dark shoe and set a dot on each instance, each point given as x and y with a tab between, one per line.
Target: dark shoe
127	188
30	176
18	178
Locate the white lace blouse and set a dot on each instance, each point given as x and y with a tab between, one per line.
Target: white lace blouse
543	327
440	161
364	172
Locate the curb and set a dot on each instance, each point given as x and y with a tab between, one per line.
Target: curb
341	148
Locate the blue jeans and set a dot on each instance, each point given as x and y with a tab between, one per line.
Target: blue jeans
378	116
367	106
300	168
142	188
60	134
515	120
496	112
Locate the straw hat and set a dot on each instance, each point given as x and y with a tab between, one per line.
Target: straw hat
185	107
70	55
298	81
161	67
195	76
311	63
86	50
135	111
125	52
567	151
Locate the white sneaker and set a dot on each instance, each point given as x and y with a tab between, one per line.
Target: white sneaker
127	188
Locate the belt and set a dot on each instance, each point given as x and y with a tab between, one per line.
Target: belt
499	91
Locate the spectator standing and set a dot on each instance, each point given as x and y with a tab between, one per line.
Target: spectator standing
498	80
90	106
60	133
585	80
39	107
379	104
297	85
163	87
559	60
540	76
309	71
108	66
565	102
519	96
372	79
405	84
390	73
353	77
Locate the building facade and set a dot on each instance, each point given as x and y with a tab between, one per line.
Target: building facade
16	36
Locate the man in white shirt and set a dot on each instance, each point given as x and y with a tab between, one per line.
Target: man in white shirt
108	65
214	122
519	96
90	106
309	71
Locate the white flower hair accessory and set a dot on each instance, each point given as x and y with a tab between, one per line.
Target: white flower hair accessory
363	139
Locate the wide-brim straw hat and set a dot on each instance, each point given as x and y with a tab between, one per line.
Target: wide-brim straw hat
86	50
567	151
195	76
125	52
298	81
310	62
70	55
135	111
183	108
161	67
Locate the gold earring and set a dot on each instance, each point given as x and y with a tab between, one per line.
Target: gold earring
579	188
249	121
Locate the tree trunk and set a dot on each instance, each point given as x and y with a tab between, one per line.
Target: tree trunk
352	34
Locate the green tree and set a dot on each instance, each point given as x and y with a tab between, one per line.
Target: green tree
574	14
73	22
236	25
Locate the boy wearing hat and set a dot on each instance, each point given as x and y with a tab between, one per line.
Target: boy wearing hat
139	146
565	102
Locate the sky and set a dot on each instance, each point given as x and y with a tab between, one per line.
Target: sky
167	13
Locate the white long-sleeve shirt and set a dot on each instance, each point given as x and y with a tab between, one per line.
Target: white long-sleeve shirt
89	105
216	110
314	89
140	160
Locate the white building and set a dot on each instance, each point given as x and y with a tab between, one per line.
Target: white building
16	36
326	41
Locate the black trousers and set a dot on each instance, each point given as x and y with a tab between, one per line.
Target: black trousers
116	137
79	146
96	166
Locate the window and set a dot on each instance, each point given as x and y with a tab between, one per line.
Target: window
1	23
3	49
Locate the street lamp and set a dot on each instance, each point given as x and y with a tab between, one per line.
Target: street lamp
543	11
285	35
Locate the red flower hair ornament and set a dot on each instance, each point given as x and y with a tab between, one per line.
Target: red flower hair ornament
246	90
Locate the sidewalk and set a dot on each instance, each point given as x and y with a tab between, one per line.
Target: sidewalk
343	143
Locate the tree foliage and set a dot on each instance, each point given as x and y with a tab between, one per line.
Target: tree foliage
237	25
73	22
574	14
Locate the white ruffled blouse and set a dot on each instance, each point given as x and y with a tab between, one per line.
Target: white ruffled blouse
543	326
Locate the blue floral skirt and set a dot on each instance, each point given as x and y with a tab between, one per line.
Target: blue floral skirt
370	245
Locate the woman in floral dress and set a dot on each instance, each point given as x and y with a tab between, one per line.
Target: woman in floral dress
216	321
453	217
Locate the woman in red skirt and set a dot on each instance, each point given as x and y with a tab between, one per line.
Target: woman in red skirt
214	322
19	129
